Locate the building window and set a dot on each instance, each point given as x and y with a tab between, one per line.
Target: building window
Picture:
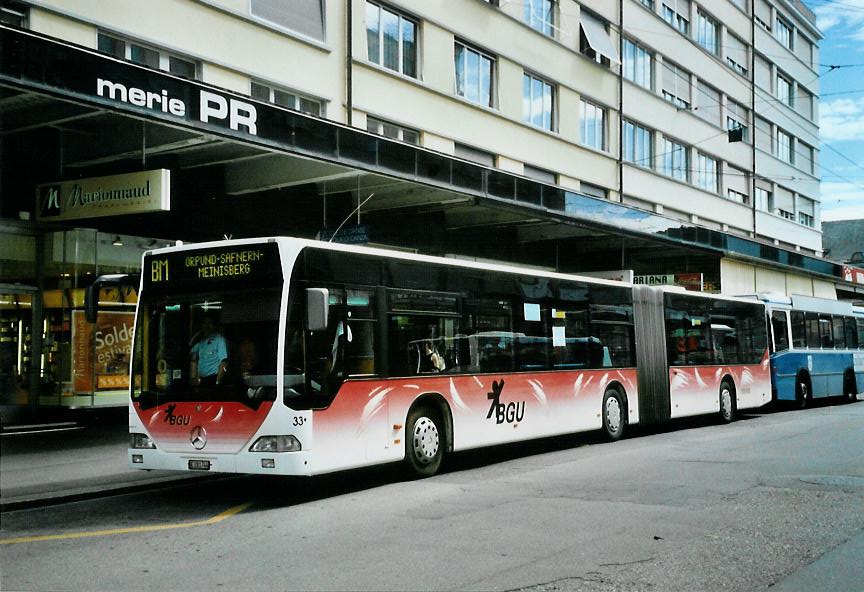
594	40
764	200
538	102
805	219
784	147
540	15
474	155
637	144
539	174
305	17
676	85
784	90
676	160
737	196
707	103
593	190
786	214
677	14
737	117
706	172
649	4
147	56
391	39
12	13
805	160
736	54
783	32
391	130
474	75
707	32
285	98
637	64
592	125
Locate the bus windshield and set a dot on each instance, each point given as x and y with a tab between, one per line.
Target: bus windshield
219	346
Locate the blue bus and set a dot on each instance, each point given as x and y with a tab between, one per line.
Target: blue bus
817	348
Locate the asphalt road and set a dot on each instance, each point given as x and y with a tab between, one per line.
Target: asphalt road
775	500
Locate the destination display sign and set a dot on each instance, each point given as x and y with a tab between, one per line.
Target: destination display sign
238	265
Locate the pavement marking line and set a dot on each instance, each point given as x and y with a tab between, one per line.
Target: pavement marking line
156	527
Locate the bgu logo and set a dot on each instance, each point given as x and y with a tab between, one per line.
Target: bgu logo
510	413
175	419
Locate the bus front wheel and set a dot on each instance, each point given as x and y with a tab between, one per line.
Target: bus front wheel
424	445
727	401
614	414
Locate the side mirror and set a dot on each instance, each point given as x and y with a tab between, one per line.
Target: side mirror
317	308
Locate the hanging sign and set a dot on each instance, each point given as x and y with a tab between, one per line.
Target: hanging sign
114	195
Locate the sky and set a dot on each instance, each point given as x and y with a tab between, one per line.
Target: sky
841	108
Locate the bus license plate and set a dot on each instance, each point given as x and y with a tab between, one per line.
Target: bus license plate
199	465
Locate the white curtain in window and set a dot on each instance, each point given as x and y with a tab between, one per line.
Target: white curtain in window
736	180
784	199
708	103
763	73
301	16
763	11
737	51
806	206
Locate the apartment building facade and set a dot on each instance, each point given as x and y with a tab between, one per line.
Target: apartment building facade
658	136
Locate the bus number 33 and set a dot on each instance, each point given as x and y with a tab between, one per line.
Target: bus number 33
299	420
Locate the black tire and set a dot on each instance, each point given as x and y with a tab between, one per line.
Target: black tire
728	404
850	387
803	392
614	413
424	441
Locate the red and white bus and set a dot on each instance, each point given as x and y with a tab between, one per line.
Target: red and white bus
340	356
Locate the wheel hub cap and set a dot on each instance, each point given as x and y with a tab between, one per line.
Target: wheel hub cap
613	414
726	400
426	440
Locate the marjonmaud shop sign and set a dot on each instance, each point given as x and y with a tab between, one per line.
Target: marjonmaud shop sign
114	195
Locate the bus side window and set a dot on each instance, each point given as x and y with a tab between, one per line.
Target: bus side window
839	332
860	324
799	333
780	329
851	333
811	320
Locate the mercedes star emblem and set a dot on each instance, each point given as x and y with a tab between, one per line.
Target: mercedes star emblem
198	437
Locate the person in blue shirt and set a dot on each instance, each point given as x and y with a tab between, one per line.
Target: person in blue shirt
209	355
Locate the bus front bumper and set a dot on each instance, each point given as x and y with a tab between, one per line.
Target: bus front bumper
263	463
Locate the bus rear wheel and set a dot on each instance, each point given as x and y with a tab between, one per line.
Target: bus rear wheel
614	414
802	392
727	402
424	444
850	387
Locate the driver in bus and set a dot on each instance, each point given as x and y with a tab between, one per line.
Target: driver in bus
209	355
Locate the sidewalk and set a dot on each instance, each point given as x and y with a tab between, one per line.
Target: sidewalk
64	462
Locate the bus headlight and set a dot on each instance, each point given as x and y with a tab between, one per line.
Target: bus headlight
141	441
276	444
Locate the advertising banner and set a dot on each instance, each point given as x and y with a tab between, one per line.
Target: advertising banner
101	351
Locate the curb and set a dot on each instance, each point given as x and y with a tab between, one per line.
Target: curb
41	500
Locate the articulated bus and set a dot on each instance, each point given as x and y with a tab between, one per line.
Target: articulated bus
817	348
299	357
